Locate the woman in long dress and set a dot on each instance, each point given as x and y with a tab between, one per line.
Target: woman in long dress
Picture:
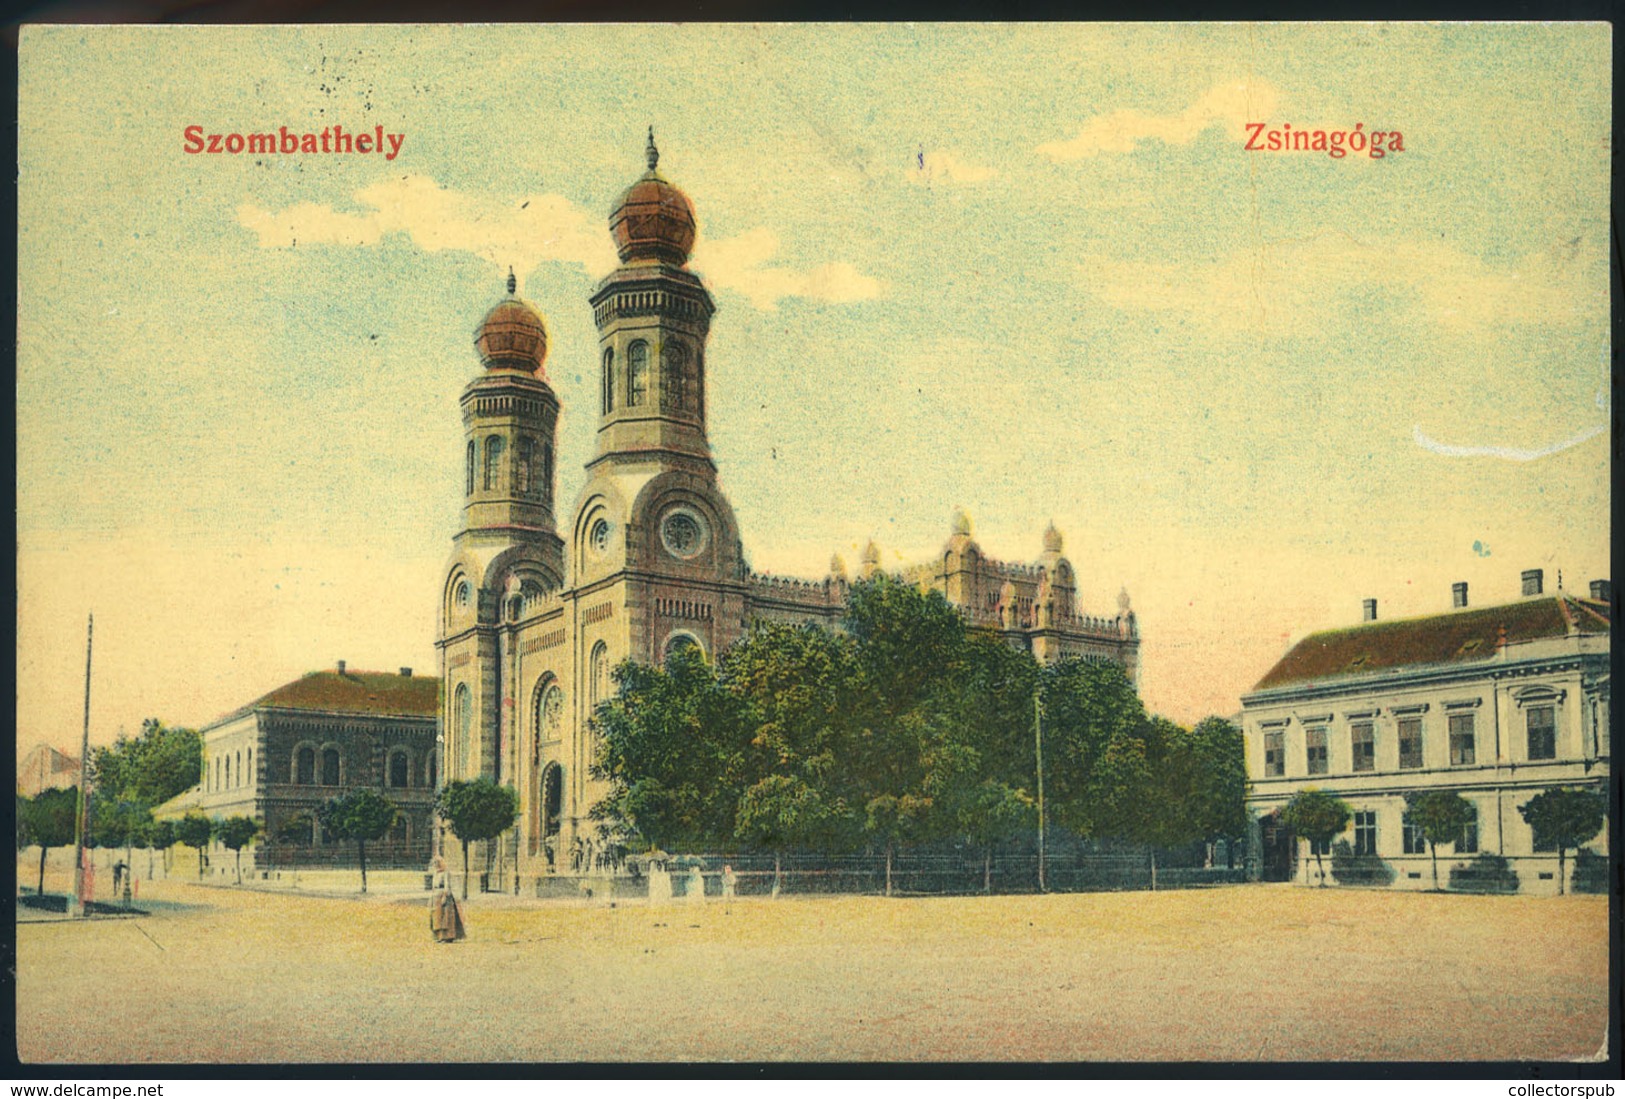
445	915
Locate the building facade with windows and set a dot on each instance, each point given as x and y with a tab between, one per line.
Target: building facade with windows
535	613
1495	703
286	754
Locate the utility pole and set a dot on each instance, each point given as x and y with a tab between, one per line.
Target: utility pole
76	906
1038	741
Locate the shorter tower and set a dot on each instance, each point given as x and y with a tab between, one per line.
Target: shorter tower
508	551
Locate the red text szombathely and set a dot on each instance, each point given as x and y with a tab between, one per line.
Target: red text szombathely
332	139
1264	138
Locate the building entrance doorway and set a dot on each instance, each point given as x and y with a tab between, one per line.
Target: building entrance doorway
1279	861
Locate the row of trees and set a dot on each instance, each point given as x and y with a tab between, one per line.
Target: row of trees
1564	818
907	728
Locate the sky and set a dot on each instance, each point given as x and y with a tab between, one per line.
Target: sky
1029	271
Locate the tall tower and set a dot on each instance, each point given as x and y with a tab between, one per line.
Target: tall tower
508	552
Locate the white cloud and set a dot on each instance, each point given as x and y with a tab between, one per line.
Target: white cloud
945	166
739	263
524	232
543	228
1296	284
1231	105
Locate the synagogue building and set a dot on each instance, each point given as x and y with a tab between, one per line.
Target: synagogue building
534	614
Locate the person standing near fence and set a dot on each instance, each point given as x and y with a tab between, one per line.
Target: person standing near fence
445	914
730	882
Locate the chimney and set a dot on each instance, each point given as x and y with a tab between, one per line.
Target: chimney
341	667
1369	607
406	673
1532	581
1602	590
1458	594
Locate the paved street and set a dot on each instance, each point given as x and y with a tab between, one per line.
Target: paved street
217	974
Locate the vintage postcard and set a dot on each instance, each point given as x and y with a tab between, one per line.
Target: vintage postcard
814	543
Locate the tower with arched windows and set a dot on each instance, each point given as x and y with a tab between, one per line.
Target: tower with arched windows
534	626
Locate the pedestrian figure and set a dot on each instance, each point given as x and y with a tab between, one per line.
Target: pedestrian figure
445	915
696	886
118	876
659	884
730	882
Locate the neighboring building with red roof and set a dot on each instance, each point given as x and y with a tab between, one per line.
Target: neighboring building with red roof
45	768
1496	703
322	735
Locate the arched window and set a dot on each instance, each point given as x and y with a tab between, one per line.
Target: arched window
330	766
637	373
673	377
493	462
699	383
681	641
462	723
547	716
524	465
547	471
609	380
470	489
228	773
552	799
429	769
598	667
242	779
304	766
400	769
250	764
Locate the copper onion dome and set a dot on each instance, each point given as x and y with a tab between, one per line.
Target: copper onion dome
653	220
512	336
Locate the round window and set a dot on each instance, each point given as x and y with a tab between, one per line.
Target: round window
599	536
463	594
683	532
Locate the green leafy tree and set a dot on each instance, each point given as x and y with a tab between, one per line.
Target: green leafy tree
476	810
1441	815
119	822
48	819
672	743
1565	817
151	768
365	815
159	836
1318	817
1216	799
235	833
195	830
1094	752
783	811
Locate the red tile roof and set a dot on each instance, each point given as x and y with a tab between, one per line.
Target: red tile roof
1460	637
375	693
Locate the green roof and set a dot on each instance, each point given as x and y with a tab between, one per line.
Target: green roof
1459	637
372	693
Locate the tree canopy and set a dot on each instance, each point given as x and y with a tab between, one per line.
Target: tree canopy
195	830
907	727
476	810
234	834
363	815
1564	817
151	768
1318	817
1441	815
48	819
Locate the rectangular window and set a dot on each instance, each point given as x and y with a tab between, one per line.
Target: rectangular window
1364	741
1315	741
1410	742
1274	755
1468	843
1365	833
1415	842
1541	721
1461	740
1319	847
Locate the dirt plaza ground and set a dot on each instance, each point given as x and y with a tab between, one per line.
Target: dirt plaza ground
220	974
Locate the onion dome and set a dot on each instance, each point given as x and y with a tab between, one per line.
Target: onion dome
512	336
1052	539
653	220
